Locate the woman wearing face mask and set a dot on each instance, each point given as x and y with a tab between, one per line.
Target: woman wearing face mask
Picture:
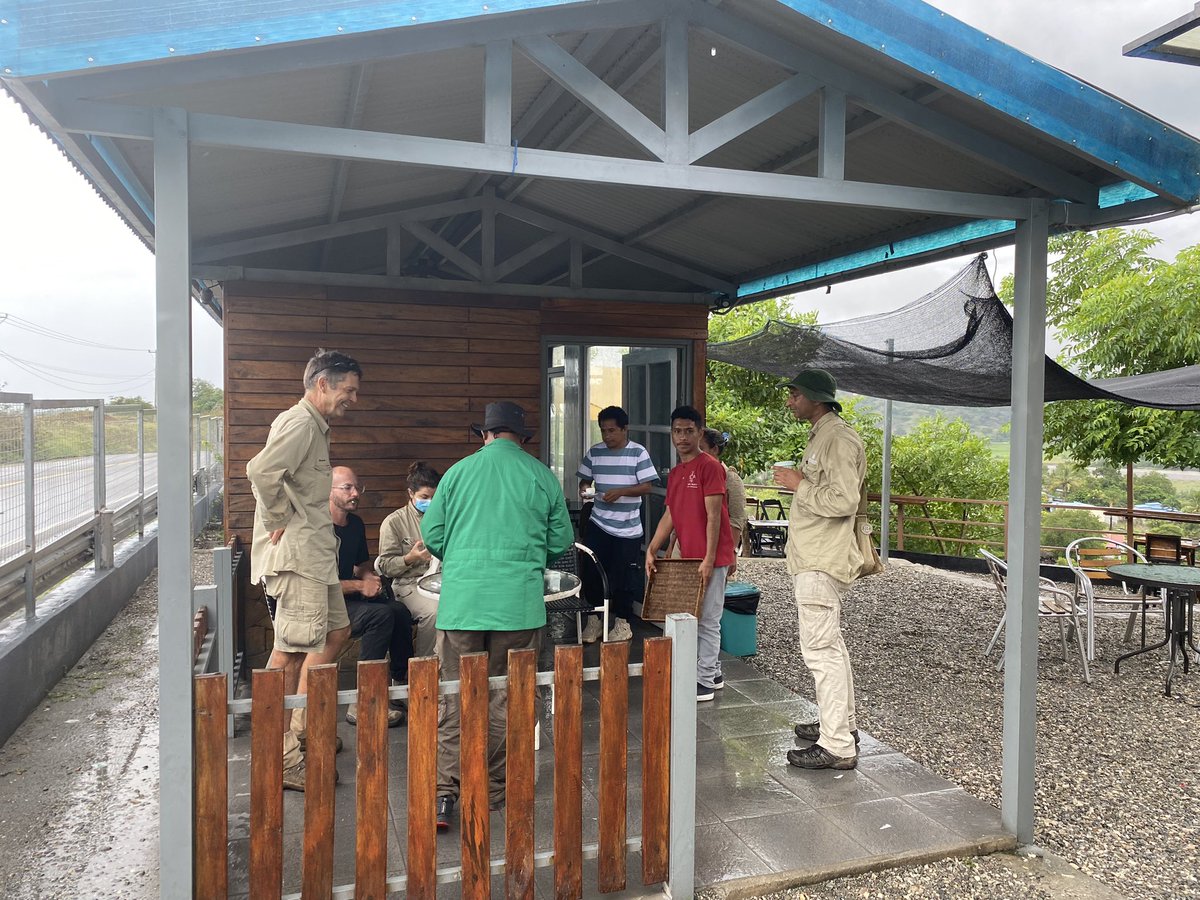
403	557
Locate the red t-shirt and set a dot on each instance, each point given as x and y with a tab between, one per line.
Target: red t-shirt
687	486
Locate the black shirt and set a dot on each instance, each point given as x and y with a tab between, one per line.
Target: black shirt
352	550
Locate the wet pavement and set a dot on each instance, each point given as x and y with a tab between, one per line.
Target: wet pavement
79	779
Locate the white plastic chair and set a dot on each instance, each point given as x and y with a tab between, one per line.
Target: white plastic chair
1089	559
1053	603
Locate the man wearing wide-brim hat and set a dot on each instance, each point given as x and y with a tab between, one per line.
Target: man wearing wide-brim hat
498	519
823	558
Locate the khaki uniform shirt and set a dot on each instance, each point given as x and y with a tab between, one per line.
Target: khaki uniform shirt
398	534
821	520
291	477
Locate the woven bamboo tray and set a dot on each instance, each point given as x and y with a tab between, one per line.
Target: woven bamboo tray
675	587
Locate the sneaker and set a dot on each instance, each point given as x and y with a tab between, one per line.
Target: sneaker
303	738
718	682
395	716
817	757
704	693
591	631
620	631
811	731
445	811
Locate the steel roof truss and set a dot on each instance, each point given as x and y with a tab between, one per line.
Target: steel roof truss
750	114
341	172
447	250
868	93
609	105
524	257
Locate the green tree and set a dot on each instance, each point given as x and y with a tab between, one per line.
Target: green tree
1061	526
206	397
943	458
1119	311
748	404
1154	487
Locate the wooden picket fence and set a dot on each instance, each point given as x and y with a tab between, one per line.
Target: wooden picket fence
371	810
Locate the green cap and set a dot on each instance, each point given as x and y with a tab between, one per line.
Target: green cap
817	385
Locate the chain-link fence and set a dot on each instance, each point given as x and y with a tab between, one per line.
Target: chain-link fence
75	477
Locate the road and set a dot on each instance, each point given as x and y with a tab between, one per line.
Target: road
63	495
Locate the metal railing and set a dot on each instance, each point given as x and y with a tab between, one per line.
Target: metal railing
958	526
76	477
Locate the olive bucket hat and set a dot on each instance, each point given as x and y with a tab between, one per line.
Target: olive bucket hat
817	385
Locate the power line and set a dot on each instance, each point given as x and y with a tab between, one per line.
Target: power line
76	384
43	331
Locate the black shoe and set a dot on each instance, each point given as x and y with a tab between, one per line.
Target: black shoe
718	682
811	731
703	693
445	811
817	757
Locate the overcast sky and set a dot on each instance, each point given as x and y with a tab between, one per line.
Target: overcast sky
69	268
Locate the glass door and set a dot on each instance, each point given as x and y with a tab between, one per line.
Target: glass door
650	384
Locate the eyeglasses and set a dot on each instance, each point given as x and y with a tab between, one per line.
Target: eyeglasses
350	487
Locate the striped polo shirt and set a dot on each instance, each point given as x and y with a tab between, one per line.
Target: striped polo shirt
608	469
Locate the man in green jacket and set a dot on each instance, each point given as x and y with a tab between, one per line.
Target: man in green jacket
498	519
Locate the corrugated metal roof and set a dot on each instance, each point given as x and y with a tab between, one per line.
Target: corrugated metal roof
930	62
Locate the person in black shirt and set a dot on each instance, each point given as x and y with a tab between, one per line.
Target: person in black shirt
383	625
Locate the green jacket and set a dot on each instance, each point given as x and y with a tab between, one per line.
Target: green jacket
497	520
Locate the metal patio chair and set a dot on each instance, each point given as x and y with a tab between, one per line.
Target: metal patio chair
1089	559
579	605
1053	603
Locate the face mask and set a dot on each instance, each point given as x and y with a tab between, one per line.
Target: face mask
422	505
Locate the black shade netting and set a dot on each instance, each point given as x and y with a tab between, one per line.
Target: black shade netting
952	347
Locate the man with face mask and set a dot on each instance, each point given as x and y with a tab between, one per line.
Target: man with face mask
383	625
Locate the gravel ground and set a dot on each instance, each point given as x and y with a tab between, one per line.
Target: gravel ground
1116	791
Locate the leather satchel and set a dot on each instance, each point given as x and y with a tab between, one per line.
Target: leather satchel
872	564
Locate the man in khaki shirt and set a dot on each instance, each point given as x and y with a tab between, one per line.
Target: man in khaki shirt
823	558
294	552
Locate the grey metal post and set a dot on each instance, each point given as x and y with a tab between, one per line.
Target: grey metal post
141	453
681	628
1024	533
197	442
101	538
30	520
173	389
223	576
885	488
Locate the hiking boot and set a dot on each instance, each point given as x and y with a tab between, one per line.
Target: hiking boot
303	738
817	757
293	777
399	703
620	631
703	692
592	631
445	812
394	717
811	731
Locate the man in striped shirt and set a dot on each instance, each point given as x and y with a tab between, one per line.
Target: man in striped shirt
622	473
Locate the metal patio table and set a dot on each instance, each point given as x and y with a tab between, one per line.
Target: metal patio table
1181	584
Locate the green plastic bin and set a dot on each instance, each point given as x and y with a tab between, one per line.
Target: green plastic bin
739	620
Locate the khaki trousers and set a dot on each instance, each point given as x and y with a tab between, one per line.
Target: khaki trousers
819	610
451	645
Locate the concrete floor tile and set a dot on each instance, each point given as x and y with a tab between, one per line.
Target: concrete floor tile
764	690
738	796
900	776
958	811
736	669
890	826
722	856
797	841
738	721
822	788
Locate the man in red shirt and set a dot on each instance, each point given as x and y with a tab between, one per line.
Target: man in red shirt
698	512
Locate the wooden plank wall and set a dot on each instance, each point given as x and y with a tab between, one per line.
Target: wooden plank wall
431	363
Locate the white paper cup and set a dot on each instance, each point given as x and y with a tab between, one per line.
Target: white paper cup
783	465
